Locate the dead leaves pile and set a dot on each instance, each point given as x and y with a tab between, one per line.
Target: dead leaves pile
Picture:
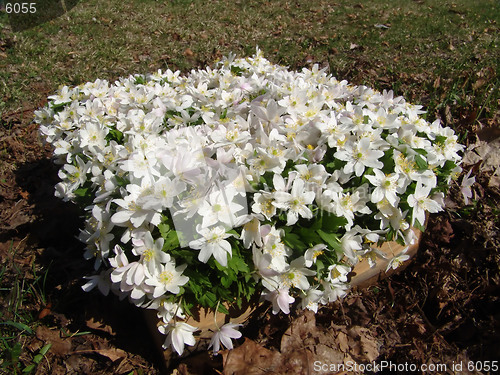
302	344
88	353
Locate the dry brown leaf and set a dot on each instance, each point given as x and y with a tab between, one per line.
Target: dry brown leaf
301	328
60	346
113	354
250	359
100	326
343	341
365	345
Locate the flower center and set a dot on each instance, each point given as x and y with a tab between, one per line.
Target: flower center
165	277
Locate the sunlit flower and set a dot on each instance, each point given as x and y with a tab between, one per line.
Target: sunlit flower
224	336
281	300
178	334
212	243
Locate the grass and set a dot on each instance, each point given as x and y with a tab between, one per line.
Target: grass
442	54
21	288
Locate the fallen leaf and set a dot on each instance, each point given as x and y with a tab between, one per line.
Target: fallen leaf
113	354
437	83
100	326
479	83
343	341
45	311
188	52
60	346
364	345
250	359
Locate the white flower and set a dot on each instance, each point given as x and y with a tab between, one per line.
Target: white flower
264	204
311	299
313	253
295	202
465	186
263	264
421	203
220	208
167	278
360	155
281	300
101	281
337	273
223	336
213	243
398	260
386	186
333	291
296	274
178	335
150	251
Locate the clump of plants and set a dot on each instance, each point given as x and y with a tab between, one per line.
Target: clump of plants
241	180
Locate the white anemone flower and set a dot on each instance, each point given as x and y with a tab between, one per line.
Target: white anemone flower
422	203
465	186
296	275
310	300
224	336
212	243
178	334
386	186
359	156
281	299
398	260
167	278
295	202
312	254
150	251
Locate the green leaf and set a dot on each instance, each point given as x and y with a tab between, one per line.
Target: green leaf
223	309
226	281
45	349
164	229
114	135
82	192
331	223
331	239
441	139
59	107
421	151
29	368
421	163
236	70
237	264
224	114
208	299
294	242
19	326
140	80
309	236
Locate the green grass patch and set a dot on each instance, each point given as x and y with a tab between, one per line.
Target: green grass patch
433	52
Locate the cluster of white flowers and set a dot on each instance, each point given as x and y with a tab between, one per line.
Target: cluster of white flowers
247	172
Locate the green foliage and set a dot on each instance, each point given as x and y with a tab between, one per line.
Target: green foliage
114	135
